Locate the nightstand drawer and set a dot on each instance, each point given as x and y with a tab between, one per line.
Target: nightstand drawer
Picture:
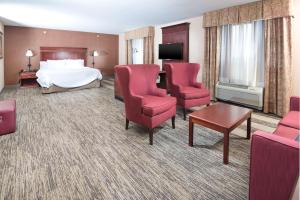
27	75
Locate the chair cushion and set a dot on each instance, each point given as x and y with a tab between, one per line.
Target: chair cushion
287	132
155	105
193	92
292	120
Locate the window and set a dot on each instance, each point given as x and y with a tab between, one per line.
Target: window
242	54
138	51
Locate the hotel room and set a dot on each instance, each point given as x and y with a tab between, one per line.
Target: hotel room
191	99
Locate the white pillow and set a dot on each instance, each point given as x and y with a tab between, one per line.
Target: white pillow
74	63
56	63
43	64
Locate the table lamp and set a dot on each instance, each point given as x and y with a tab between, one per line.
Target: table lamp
29	54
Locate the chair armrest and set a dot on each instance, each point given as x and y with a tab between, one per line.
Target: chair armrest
274	166
176	88
198	85
295	103
137	100
160	92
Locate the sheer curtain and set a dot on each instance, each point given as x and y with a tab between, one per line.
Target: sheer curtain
138	51
242	54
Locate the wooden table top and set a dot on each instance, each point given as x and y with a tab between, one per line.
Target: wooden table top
223	115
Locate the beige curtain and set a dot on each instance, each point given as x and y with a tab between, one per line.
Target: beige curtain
278	63
128	52
211	58
258	10
148	50
148	34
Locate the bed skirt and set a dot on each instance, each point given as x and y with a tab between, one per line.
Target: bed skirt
54	88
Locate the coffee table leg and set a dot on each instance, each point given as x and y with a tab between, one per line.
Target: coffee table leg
248	127
191	132
226	148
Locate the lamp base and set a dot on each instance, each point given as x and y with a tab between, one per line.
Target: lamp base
29	65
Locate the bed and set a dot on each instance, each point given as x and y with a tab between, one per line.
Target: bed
64	69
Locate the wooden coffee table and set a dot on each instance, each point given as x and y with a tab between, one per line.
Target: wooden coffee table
223	118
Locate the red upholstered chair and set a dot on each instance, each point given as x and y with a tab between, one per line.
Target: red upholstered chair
145	104
274	168
182	84
7	116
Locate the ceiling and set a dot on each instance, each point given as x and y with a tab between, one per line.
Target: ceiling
104	16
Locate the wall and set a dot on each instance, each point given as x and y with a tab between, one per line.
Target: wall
19	39
122	49
296	50
2	62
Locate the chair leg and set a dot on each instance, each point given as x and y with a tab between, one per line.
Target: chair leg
151	136
173	122
184	114
127	124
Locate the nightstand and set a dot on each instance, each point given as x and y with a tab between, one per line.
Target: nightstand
28	79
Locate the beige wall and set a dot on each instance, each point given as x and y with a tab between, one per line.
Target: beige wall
19	39
2	62
122	49
296	50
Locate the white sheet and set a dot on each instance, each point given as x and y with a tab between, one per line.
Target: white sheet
67	77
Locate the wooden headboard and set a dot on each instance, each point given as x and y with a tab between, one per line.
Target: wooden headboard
60	53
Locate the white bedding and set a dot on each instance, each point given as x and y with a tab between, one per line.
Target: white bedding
67	77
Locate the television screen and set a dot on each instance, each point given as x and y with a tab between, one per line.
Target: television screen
170	51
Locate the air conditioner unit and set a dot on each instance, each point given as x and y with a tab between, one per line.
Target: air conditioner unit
248	96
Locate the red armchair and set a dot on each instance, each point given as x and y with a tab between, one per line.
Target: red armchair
274	168
145	104
182	84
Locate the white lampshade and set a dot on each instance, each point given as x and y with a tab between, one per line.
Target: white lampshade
95	53
29	53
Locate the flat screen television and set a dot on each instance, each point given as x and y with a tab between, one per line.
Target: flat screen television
172	51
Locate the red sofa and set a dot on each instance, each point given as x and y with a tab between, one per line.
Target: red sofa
7	116
182	84
274	167
145	104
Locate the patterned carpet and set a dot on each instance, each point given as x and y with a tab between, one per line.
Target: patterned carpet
73	145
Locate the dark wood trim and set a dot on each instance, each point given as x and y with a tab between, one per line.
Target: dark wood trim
249	127
151	136
126	124
173	122
184	113
60	53
191	132
226	148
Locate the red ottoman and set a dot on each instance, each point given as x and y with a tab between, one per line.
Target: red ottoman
7	116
